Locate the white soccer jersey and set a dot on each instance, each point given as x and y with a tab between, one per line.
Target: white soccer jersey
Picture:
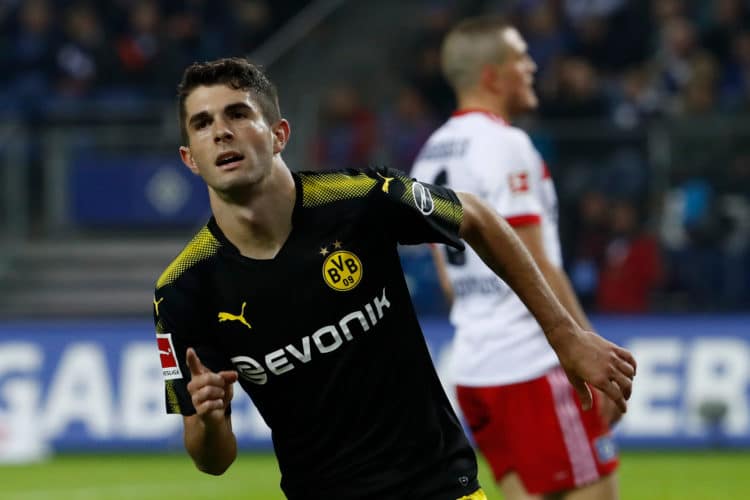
497	340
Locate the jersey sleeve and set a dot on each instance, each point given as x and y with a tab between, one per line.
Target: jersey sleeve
418	212
516	165
181	323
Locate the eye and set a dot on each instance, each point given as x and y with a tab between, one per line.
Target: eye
200	124
238	114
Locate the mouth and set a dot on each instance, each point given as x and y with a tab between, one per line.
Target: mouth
229	159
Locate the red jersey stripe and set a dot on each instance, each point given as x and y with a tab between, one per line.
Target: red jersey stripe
524	220
546	174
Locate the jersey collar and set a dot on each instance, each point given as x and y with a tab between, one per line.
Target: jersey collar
227	245
491	115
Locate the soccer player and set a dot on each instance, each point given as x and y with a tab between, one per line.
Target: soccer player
522	410
294	289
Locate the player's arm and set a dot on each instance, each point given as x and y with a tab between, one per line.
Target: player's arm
531	236
208	435
584	355
441	269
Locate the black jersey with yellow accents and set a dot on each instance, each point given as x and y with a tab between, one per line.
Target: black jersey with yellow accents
325	339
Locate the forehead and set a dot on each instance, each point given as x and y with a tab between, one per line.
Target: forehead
211	98
513	40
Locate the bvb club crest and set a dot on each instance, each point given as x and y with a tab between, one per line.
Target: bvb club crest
342	270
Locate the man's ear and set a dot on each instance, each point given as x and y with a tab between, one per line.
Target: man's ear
281	132
187	158
490	77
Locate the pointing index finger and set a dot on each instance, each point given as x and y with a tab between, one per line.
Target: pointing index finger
194	363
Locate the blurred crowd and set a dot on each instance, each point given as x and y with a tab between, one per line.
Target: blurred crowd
643	116
120	52
636	236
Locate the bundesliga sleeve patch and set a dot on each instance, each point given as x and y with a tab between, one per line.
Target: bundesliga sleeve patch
170	368
519	182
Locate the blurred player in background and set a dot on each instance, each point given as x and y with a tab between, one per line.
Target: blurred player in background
522	411
294	289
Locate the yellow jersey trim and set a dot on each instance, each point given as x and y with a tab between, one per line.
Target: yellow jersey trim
327	188
477	495
173	403
445	208
201	247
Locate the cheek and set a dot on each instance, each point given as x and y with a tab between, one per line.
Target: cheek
198	150
199	141
204	134
257	134
252	127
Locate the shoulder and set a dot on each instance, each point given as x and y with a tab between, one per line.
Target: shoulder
521	138
326	188
323	188
514	149
180	293
516	136
487	134
483	124
203	246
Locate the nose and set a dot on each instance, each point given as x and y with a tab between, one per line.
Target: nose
222	132
532	65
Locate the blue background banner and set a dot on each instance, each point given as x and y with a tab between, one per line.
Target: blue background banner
131	190
96	385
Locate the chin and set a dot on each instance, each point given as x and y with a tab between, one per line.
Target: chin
523	107
531	102
229	186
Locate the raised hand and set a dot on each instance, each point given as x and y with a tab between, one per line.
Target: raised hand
588	358
211	392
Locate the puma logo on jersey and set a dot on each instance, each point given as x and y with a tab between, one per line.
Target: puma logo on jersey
386	182
226	316
156	304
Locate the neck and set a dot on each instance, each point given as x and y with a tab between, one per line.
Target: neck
485	102
259	221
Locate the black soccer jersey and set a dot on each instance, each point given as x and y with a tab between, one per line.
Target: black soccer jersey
325	339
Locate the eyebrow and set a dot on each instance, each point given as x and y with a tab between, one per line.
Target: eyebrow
197	117
235	106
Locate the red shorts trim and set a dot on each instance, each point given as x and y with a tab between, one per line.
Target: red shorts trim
539	430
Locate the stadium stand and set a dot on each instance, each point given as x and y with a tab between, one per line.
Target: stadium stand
644	104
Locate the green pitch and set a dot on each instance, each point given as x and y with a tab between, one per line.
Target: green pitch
643	476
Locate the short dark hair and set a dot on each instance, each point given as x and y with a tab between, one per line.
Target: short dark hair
235	72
